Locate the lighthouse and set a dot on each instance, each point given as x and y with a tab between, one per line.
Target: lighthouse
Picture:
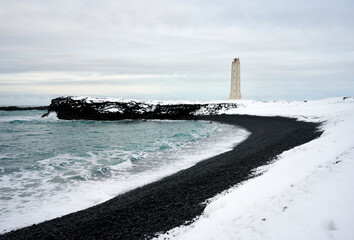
235	92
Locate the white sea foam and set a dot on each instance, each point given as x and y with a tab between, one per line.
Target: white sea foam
47	193
28	118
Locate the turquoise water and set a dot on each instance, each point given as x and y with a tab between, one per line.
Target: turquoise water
51	167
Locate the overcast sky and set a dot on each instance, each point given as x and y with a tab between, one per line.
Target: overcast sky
162	49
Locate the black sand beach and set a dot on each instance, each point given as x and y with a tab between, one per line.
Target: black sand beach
176	199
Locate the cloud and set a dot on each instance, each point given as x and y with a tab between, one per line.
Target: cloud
178	44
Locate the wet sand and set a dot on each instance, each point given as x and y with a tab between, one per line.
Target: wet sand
177	199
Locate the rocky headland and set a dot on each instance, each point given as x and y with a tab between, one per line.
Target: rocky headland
85	108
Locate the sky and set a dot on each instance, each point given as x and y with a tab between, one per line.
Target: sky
174	50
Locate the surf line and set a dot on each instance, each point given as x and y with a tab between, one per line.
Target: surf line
177	199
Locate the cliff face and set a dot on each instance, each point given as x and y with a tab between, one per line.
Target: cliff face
110	109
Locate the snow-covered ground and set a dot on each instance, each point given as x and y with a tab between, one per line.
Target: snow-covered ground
308	193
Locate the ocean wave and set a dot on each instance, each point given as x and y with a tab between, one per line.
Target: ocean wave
28	118
77	164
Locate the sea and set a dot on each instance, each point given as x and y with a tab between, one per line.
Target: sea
51	167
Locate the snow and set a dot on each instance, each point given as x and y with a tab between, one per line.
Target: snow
308	193
161	102
102	100
112	109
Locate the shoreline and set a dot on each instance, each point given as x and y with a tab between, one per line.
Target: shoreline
17	108
170	202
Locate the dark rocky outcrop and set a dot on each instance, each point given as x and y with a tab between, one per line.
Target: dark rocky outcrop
15	108
104	109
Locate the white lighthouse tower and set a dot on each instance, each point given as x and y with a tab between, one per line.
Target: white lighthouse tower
235	92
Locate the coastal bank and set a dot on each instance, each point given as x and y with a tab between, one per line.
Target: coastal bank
178	199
